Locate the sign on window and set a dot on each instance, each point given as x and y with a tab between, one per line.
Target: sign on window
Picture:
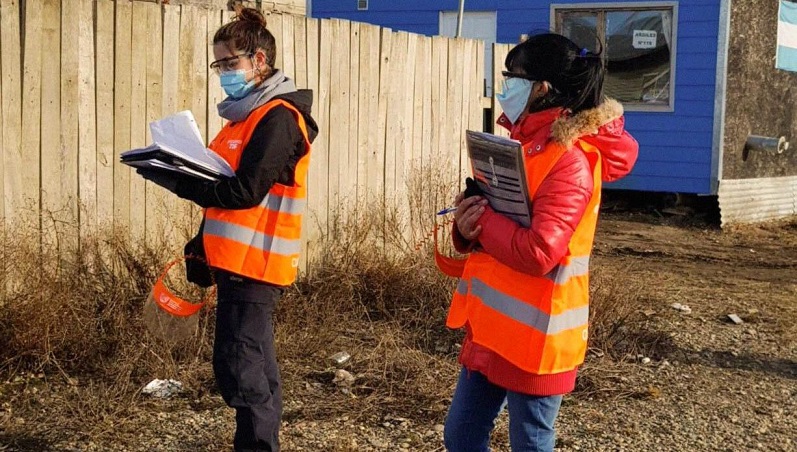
644	39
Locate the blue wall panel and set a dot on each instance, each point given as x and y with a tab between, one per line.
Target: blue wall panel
675	147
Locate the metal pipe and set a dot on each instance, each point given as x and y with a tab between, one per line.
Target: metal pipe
769	145
460	16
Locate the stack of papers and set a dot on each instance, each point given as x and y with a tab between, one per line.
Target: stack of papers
177	146
498	168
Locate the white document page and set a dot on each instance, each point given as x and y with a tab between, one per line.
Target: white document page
179	135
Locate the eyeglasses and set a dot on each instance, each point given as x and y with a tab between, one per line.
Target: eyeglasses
508	74
228	64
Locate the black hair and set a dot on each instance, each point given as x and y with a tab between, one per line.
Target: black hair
575	74
247	33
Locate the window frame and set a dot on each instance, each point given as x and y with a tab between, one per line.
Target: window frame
360	8
601	8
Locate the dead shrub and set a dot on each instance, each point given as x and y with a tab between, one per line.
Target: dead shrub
373	291
76	321
618	331
618	325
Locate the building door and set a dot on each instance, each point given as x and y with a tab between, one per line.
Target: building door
476	25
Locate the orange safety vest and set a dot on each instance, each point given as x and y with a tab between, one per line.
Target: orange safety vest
262	242
537	323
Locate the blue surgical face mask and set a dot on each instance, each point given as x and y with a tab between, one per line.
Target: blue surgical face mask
515	97
235	84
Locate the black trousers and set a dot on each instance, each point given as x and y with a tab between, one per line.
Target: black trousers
245	362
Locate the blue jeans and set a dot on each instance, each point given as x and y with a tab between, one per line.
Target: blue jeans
477	403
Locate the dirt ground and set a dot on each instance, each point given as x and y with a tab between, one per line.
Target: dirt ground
724	386
706	384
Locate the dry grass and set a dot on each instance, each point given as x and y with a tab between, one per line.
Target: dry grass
618	326
384	308
76	322
619	332
373	292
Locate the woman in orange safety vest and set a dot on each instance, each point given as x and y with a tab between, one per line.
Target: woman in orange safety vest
252	222
523	297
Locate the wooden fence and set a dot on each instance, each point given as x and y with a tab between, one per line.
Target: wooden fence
499	56
81	79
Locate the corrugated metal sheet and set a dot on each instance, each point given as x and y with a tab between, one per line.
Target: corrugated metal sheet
752	200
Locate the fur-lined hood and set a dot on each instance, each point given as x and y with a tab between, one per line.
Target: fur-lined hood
603	127
567	129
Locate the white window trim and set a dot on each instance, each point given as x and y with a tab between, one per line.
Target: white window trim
362	9
634	5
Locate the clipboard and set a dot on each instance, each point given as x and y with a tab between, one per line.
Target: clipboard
499	170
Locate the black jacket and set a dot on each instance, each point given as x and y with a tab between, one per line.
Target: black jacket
269	157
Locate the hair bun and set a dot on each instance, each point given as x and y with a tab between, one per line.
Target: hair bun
250	15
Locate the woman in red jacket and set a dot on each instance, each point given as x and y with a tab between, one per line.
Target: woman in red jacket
523	296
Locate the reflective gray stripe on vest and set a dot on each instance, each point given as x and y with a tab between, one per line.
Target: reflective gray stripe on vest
578	266
528	314
292	206
252	238
462	287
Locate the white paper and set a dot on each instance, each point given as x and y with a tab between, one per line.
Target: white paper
178	135
162	389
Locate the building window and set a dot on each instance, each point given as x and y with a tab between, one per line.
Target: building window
639	44
362	5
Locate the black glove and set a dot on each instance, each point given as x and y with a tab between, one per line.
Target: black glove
472	188
165	179
196	267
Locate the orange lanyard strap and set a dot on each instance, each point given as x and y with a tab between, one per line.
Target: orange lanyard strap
450	266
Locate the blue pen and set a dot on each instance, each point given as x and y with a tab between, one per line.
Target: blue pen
447	210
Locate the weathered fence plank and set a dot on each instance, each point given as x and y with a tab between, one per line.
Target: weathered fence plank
352	170
440	97
87	124
456	62
30	187
367	110
12	193
122	116
286	42
173	101
156	198
315	227
138	117
52	156
106	163
499	55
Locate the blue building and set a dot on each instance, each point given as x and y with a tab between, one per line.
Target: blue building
667	63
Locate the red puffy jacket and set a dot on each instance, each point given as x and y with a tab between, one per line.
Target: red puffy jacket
557	208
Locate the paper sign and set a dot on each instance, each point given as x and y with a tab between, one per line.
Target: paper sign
177	147
645	39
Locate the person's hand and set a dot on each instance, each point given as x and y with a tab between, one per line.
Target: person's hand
165	179
469	210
